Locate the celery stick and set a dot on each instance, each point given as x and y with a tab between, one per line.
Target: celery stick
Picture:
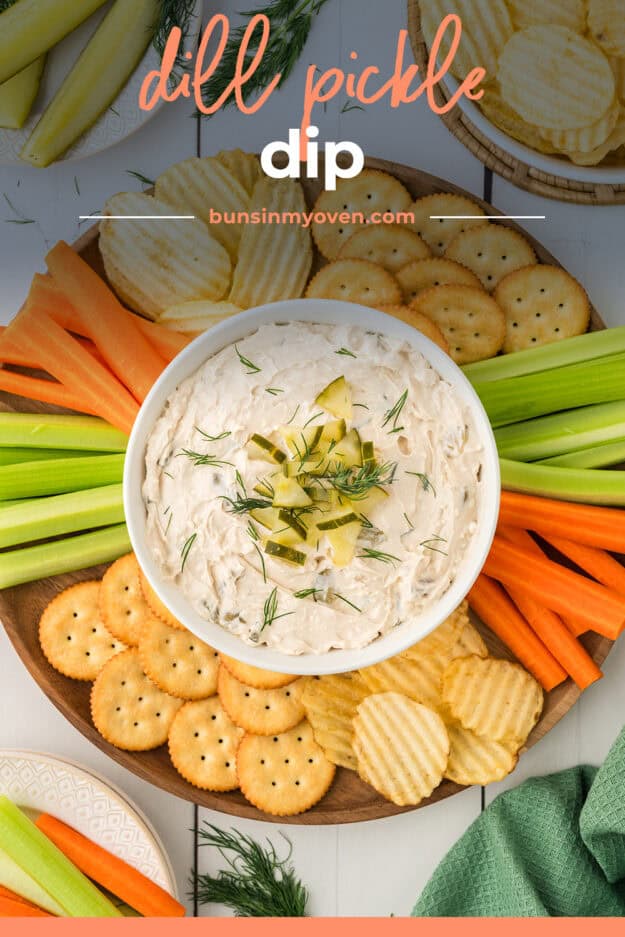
40	518
17	95
96	79
590	486
31	27
18	881
555	355
576	385
51	431
596	457
36	479
15	454
562	432
35	853
63	556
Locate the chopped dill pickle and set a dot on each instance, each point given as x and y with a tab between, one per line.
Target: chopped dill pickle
260	445
288	518
282	552
336	398
288	493
368	453
339	521
349	450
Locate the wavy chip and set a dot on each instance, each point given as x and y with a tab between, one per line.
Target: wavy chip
371	191
503	116
286	774
612	144
471	321
355	281
474	759
203	744
540	73
198	316
421	275
245	167
391	246
495	698
154	264
491	252
439	218
486	27
177	661
127	709
331	703
202	186
586	139
606	22
470	642
569	13
73	637
542	304
261	712
402	747
274	258
255	676
419	322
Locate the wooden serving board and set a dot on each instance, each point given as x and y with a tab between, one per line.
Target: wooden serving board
349	799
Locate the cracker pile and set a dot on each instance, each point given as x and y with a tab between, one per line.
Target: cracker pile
555	71
471	286
442	709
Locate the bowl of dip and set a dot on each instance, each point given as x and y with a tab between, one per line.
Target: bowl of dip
311	486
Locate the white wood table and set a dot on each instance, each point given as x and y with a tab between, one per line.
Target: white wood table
376	868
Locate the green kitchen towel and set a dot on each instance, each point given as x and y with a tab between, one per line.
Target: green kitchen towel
553	847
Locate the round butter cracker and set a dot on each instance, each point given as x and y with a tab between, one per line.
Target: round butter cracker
156	606
470	319
256	676
122	605
439	218
491	252
355	281
391	246
421	275
203	744
261	712
177	661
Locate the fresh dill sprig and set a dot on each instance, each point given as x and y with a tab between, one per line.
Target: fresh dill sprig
408	521
255	537
347	352
356	483
347	602
295	412
20	217
184	553
251	529
243	505
290	21
274	391
348	106
256	881
394	413
312	419
425	481
174	13
362	405
76	185
369	554
201	458
431	545
144	180
210	438
270	610
239	481
307	593
251	367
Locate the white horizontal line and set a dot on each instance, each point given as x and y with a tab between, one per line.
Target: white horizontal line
136	217
488	217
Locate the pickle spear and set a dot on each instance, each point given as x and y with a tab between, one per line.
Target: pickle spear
17	95
104	67
29	28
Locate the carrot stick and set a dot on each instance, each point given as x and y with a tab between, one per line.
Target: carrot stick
584	523
549	627
597	563
576	626
111	873
11	908
124	348
490	602
35	388
47	294
556	587
38	336
12	896
11	354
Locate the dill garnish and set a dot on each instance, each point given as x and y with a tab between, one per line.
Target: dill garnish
347	602
256	882
408	521
144	180
291	22
362	405
425	481
347	107
240	481
370	554
169	520
184	554
431	545
243	504
296	411
274	391
174	13
270	610
394	413
20	218
200	458
312	419
356	483
252	368
251	529
209	438
307	593
346	351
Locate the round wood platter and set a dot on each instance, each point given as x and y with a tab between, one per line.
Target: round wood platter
519	173
349	799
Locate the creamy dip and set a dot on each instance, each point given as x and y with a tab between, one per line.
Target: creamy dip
272	378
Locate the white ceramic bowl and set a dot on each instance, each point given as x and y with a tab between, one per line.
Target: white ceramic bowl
552	165
186	364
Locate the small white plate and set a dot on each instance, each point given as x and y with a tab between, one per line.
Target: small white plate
118	122
42	783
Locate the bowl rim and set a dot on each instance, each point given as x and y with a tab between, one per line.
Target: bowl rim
552	165
186	364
